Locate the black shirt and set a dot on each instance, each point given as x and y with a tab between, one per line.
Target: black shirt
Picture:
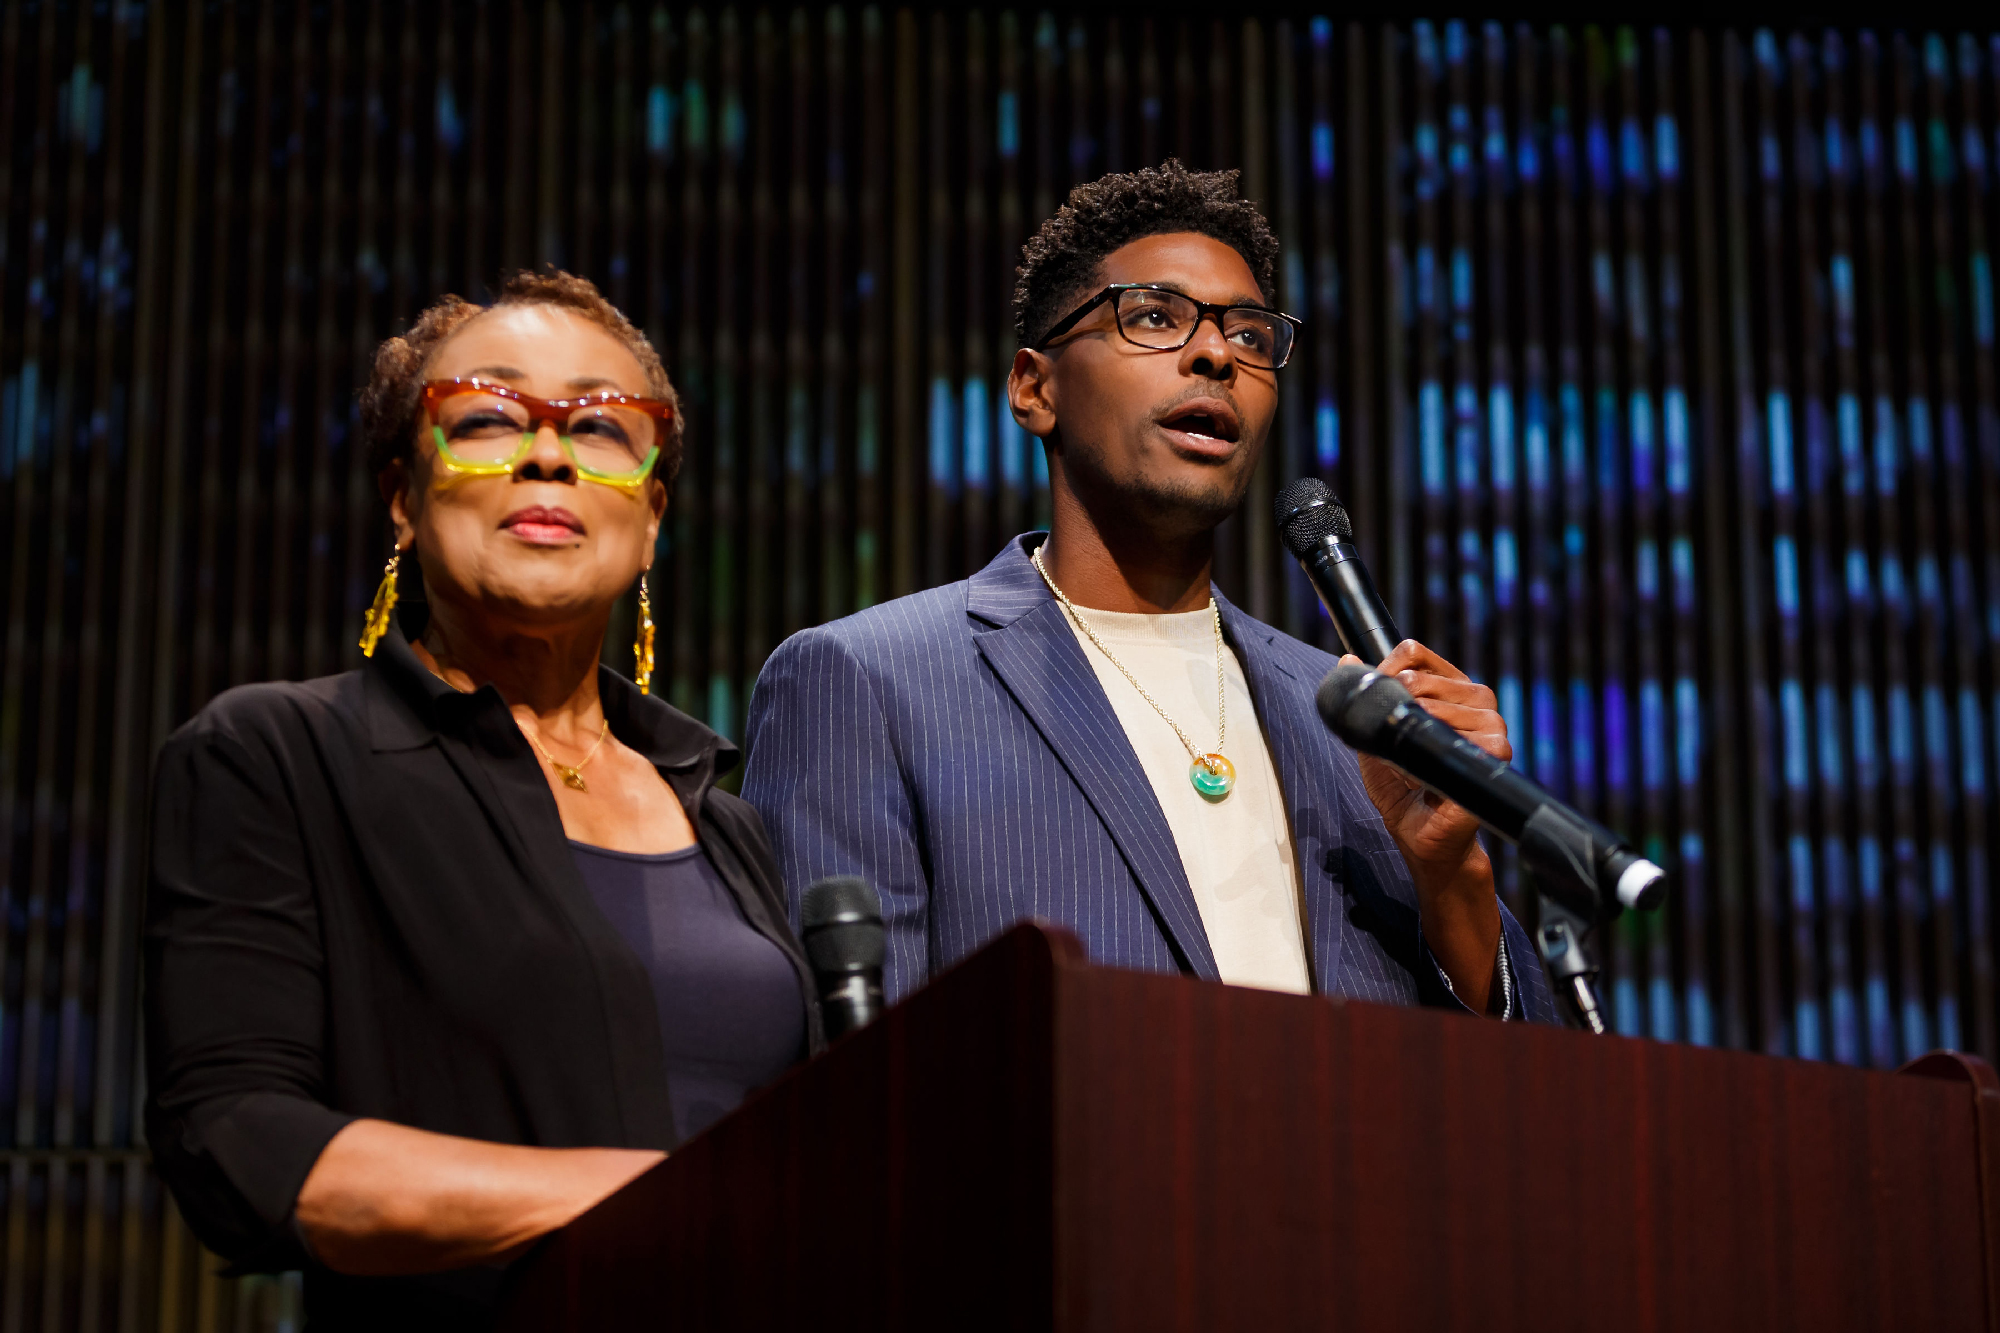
363	904
730	1017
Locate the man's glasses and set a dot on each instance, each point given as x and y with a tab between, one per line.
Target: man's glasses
483	429
1166	320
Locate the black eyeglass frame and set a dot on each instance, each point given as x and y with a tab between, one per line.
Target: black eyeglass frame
1203	310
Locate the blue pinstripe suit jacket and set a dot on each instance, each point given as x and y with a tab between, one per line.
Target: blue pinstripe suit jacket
955	748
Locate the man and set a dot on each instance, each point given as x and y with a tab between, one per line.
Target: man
1035	741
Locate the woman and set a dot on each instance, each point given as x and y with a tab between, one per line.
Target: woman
442	951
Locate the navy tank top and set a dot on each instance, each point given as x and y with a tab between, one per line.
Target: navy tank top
731	1015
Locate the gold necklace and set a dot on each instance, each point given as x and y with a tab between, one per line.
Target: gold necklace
1211	774
572	776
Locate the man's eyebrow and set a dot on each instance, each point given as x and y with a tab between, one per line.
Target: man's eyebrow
496	373
585	383
1239	299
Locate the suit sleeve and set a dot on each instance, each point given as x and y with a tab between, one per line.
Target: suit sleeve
825	774
234	997
1377	872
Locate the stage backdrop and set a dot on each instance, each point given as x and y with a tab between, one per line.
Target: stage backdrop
1657	369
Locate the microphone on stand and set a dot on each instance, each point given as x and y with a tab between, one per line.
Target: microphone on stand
1582	871
1581	864
1317	532
840	925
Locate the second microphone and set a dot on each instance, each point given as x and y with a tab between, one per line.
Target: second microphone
1317	532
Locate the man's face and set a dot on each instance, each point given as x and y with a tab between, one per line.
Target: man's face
1166	440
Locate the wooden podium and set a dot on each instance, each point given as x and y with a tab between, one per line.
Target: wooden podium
1036	1143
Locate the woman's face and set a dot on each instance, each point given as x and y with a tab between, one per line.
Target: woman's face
540	548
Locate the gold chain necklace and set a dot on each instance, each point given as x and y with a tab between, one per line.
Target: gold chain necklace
572	776
1211	774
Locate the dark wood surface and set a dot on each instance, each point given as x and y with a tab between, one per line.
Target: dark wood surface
1250	1161
898	1182
1035	1143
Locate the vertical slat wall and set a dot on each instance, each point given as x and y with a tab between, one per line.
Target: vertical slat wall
1657	367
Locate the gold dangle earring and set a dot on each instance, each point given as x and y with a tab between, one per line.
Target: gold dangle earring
642	647
377	623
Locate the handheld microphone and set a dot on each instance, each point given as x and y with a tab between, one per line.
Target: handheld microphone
1581	864
1320	537
841	927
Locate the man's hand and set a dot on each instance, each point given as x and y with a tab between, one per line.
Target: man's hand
1434	833
1439	838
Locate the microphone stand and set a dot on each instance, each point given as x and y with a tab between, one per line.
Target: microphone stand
1559	938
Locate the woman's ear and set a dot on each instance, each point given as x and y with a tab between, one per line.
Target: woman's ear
394	484
657	497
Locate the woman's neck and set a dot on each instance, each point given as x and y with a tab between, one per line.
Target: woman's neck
549	675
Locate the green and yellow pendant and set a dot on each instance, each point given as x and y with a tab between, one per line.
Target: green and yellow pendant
1212	776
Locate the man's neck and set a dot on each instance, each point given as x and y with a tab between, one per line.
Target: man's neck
1122	569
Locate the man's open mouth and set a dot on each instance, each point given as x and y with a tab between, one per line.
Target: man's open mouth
1204	417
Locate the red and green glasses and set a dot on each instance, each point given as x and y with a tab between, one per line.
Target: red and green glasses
484	429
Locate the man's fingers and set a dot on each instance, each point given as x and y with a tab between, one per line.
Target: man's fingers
1373	767
1447	694
1410	655
1442	688
1464	717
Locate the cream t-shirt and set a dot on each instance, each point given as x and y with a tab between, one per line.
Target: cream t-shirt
1237	850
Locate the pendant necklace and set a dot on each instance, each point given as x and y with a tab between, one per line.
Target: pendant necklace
1211	774
572	776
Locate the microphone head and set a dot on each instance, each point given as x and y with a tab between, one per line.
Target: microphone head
1642	886
1308	513
1356	702
840	925
839	898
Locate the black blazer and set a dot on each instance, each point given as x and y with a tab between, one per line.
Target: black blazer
362	904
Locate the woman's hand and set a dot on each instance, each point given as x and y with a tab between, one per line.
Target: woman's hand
386	1199
1439	839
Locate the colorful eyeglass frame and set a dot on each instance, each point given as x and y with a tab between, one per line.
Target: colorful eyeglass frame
553	411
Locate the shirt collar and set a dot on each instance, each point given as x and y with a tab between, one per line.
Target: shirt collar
408	706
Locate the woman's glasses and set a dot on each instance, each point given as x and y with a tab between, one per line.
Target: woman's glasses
1165	320
483	429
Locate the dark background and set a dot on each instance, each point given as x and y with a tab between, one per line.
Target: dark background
1656	366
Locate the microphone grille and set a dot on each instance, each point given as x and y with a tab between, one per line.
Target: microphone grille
1356	701
840	925
839	898
1308	513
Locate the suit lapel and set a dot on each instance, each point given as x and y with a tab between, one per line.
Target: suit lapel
1034	652
1302	752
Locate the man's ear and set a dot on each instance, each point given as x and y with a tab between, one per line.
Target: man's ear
1031	392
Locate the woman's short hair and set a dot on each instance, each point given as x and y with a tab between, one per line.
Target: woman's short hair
391	402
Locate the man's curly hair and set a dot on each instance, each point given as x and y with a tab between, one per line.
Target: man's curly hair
1059	264
391	402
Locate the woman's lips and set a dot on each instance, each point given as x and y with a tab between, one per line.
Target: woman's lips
544	525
